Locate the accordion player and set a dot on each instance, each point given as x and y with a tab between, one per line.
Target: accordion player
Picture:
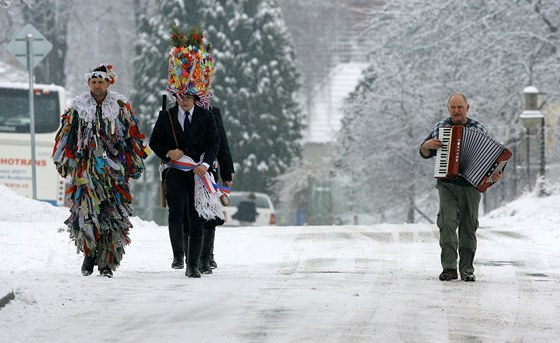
470	154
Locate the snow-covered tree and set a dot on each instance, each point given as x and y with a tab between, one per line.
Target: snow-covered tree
425	50
255	86
101	32
152	47
151	63
8	21
51	18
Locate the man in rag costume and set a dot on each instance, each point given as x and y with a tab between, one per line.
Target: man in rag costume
99	148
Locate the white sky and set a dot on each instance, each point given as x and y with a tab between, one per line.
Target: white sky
285	284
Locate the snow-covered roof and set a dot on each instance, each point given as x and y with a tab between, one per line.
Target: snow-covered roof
325	112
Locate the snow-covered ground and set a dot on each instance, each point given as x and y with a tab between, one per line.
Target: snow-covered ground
285	284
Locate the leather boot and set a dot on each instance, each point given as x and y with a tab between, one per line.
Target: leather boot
178	261
193	252
176	237
207	252
204	266
209	233
106	271
87	265
213	263
192	272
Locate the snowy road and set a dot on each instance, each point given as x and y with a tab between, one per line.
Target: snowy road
284	284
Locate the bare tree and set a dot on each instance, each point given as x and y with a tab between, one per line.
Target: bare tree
51	17
423	51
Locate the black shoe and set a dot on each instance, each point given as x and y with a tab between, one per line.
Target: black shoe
87	265
213	263
178	262
192	271
448	274
468	276
204	267
106	271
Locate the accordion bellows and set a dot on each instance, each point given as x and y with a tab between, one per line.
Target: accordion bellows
470	154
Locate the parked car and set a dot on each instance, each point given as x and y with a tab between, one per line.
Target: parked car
265	209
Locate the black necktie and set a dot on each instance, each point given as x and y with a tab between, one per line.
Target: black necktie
186	123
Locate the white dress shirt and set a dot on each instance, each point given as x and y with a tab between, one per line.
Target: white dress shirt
181	116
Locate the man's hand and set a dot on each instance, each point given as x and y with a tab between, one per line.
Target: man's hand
430	144
433	143
175	154
229	184
200	170
496	176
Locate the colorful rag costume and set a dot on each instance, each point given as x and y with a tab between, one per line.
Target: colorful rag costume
99	147
191	65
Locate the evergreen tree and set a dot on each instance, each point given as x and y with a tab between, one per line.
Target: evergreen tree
153	45
255	82
151	64
151	55
255	86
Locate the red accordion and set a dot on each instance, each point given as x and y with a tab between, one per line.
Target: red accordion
470	154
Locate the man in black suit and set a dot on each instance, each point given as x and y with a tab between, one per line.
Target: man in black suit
226	172
186	129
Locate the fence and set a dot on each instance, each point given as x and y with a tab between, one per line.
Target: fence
328	202
524	167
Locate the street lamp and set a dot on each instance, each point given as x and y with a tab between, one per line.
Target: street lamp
533	120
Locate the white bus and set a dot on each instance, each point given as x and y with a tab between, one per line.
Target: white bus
15	139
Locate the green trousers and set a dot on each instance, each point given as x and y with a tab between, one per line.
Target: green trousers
457	222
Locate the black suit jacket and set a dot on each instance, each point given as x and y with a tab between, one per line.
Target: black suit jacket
202	137
225	160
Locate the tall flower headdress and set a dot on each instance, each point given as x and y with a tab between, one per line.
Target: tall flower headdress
191	64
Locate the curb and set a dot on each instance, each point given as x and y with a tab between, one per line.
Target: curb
7	294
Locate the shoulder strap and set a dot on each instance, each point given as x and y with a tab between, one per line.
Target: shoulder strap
172	129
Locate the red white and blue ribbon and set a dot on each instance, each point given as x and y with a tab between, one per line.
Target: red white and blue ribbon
185	163
207	192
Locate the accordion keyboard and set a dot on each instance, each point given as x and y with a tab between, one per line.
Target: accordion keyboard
442	154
